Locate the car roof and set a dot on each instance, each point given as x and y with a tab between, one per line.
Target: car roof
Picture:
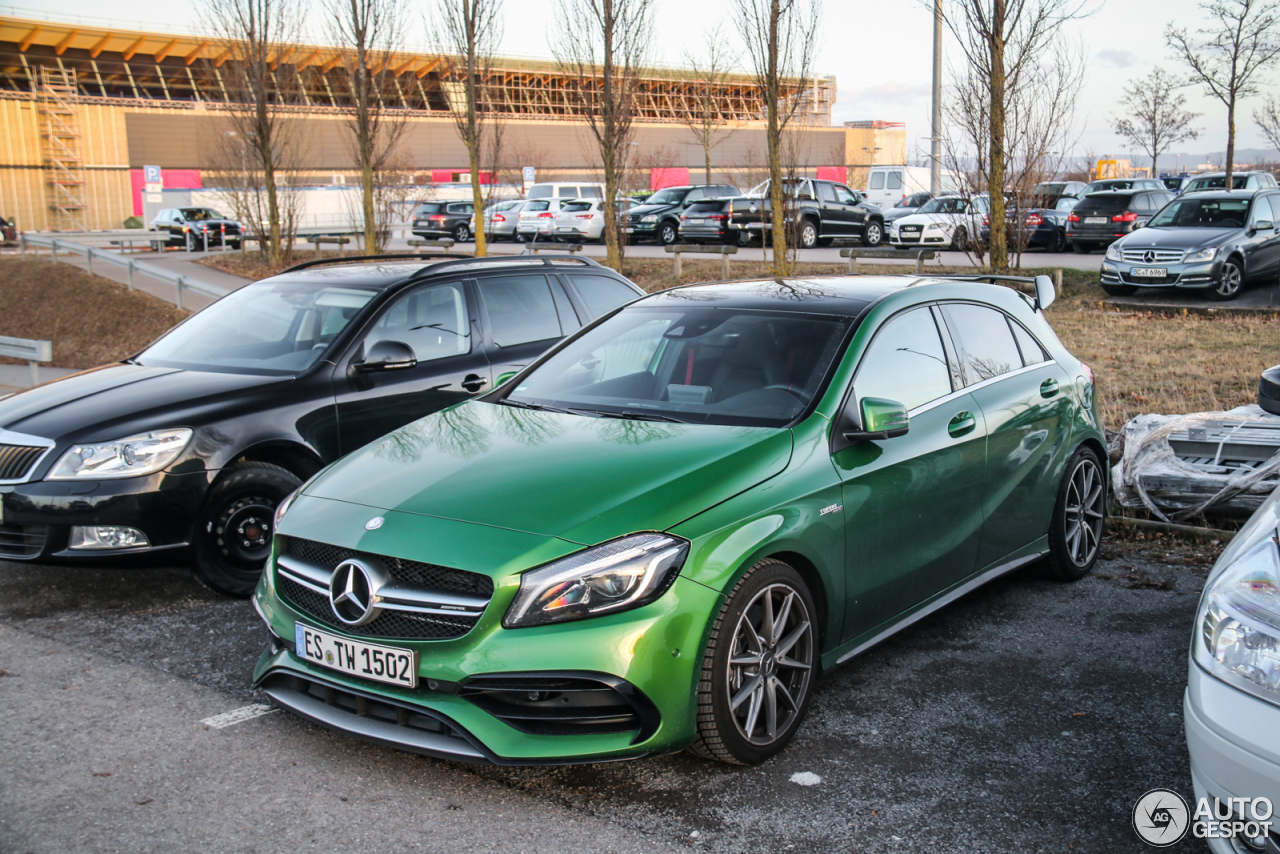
845	296
1220	193
384	272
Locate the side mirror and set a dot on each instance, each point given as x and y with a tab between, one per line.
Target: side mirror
881	419
1045	293
1263	225
387	356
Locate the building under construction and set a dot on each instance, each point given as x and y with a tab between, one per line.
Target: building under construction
84	109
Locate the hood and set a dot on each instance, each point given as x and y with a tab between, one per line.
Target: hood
641	210
929	219
578	478
92	406
1176	238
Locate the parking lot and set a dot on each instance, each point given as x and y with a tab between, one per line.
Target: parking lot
1027	717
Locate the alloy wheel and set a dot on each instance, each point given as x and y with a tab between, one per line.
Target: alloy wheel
668	233
461	233
873	235
770	664
1083	509
1229	282
808	236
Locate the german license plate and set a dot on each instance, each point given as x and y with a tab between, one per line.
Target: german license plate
1095	220
911	228
1148	272
628	231
368	661
696	222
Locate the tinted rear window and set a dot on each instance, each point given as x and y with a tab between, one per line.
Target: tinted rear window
429	208
1106	202
709	206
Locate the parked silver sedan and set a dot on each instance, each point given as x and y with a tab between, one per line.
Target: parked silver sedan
501	219
1232	704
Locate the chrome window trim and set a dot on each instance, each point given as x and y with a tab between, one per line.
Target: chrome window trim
9	437
925	407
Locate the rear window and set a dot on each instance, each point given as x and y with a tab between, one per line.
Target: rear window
536	206
706	207
429	208
1106	202
570	207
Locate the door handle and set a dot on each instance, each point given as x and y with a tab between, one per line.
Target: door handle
1049	388
473	382
961	423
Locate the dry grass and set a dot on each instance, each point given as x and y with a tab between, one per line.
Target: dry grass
1144	361
90	320
253	265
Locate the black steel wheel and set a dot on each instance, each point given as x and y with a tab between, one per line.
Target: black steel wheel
233	539
1079	515
668	233
1119	290
1230	282
873	235
758	668
462	233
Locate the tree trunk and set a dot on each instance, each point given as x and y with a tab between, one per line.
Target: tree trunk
1231	140
773	135
706	151
998	248
473	133
611	144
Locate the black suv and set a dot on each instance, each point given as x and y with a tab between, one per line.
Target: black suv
444	219
185	450
1099	219
196	228
659	217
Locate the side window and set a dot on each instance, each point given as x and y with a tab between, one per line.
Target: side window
520	308
905	362
877	181
1032	352
1262	210
845	196
592	193
828	192
601	293
895	181
986	346
434	321
566	192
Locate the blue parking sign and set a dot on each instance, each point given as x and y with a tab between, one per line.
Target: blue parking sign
151	174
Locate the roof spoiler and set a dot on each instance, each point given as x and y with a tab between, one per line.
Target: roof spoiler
1042	286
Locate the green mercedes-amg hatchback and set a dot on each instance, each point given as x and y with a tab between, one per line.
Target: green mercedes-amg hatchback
659	534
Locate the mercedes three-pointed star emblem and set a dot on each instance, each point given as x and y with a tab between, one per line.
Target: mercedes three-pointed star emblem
351	593
1148	257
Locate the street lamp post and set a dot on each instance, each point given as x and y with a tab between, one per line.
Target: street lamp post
935	144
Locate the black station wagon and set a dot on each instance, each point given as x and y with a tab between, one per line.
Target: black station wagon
185	450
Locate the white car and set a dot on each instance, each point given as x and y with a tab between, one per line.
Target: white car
1232	705
950	221
584	219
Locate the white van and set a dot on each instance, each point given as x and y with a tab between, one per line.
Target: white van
566	191
888	185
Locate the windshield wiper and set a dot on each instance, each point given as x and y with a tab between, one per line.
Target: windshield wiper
520	404
634	416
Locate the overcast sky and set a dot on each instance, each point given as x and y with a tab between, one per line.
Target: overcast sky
879	52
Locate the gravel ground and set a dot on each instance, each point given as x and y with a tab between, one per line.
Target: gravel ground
1028	717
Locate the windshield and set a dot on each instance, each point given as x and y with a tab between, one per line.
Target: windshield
200	214
272	329
944	205
1202	213
698	365
669	196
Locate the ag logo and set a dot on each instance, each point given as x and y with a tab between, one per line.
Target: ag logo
1161	818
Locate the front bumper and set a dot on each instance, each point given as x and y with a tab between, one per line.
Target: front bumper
1234	742
654	651
918	238
641	230
38	517
1200	275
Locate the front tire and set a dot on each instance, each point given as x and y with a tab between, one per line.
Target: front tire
1230	282
873	235
233	539
758	668
960	240
1075	532
668	233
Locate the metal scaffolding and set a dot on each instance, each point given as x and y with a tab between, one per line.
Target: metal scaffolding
56	97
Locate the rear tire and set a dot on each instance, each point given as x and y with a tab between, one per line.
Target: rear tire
764	635
1058	244
1079	517
233	537
461	234
808	236
1119	290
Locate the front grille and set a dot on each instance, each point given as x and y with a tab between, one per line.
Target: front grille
568	703
16	460
1158	256
22	541
405	625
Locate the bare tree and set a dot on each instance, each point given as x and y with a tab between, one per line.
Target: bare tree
1004	43
602	46
708	66
1268	119
1230	55
258	135
367	33
780	36
470	30
1157	115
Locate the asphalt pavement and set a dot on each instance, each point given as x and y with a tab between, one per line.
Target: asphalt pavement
1028	717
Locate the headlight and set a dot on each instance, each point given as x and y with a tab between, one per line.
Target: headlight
615	576
1114	253
1201	255
649	218
1238	626
283	506
145	453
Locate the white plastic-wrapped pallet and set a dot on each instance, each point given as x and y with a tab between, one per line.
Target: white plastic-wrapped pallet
1219	463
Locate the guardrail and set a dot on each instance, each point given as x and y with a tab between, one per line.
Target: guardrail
854	253
30	349
67	246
